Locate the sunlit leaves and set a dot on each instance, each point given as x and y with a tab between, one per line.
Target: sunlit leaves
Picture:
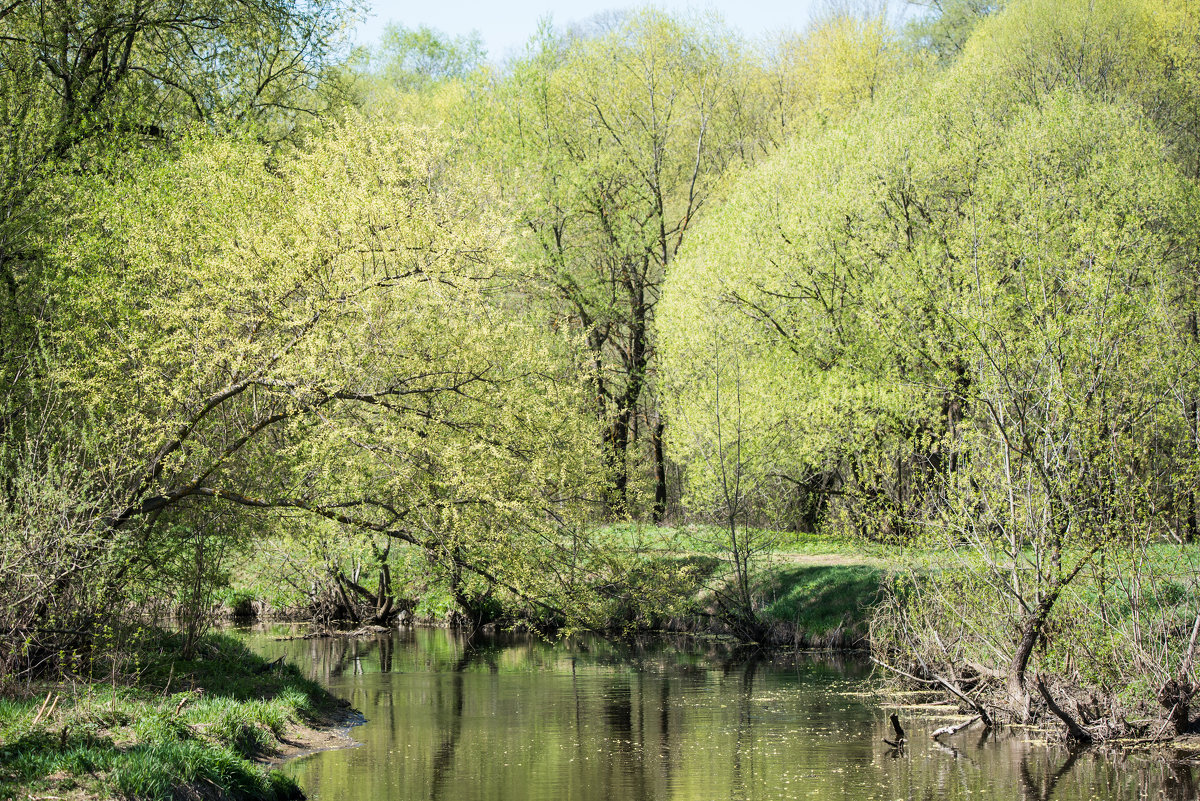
331	334
873	274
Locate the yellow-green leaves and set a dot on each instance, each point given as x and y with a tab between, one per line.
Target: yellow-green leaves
881	281
840	64
331	333
612	146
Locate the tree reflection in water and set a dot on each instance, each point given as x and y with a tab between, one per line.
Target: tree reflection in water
510	718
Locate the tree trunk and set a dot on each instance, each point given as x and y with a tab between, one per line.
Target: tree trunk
1193	521
349	606
1176	698
660	473
618	446
1031	631
385	603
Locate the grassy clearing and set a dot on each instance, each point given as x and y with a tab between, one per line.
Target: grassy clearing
166	726
816	583
710	539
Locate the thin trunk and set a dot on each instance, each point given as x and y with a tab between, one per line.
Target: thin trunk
618	448
1074	730
1031	632
384	603
660	473
635	364
1192	410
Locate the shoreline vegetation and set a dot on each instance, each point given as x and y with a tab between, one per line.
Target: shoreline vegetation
159	726
807	593
152	724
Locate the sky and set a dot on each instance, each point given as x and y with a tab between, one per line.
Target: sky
507	26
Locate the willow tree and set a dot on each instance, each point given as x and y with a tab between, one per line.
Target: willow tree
825	74
82	84
329	336
960	311
613	144
82	74
1145	53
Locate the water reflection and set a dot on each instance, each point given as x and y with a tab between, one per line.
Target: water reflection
1042	788
501	719
451	727
1179	783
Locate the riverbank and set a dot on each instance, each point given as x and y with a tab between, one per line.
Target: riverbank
162	726
809	591
939	617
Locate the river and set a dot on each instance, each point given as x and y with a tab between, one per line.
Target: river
512	718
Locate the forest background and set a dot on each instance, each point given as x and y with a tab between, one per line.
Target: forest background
405	325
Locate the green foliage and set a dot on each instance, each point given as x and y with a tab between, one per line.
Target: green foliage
91	95
83	84
149	742
833	69
611	146
425	77
858	308
416	59
962	319
141	69
850	295
1096	640
304	349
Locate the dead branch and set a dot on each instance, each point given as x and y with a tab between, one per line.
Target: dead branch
42	711
1186	667
948	730
1074	730
957	693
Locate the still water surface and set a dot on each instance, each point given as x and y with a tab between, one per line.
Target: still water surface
516	719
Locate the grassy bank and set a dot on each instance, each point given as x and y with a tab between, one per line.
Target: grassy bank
829	603
161	726
809	590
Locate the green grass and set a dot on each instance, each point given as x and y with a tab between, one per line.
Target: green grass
818	582
820	598
710	539
173	723
814	544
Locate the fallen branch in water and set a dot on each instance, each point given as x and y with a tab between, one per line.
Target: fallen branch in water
978	707
269	666
900	736
948	730
1075	731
